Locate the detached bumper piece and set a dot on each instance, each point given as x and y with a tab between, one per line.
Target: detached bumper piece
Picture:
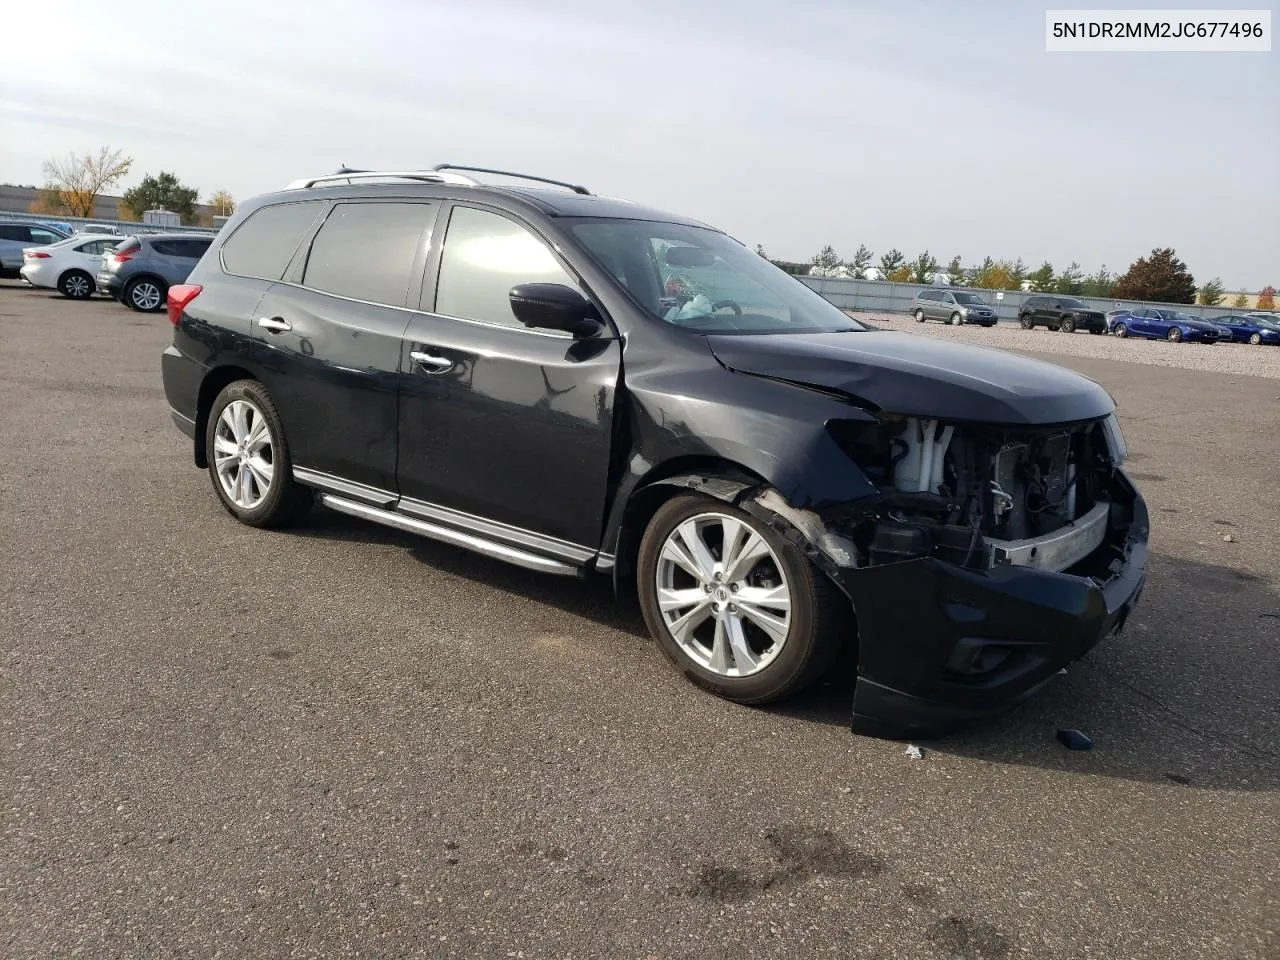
941	645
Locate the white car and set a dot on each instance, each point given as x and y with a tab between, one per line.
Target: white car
69	265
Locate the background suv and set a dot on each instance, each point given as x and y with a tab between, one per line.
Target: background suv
955	307
1061	313
17	235
140	270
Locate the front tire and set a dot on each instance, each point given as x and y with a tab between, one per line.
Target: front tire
248	458
1175	335
919	315
733	604
1121	331
1068	325
1256	339
76	285
956	320
144	295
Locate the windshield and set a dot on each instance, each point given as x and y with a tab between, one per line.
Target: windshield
969	298
1071	302
702	280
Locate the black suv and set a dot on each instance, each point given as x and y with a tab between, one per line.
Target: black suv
1061	313
577	384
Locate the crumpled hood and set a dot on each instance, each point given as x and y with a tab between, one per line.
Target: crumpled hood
920	375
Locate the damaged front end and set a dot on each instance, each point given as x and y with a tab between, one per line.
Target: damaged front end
990	557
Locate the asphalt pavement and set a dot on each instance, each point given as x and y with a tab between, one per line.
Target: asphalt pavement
341	741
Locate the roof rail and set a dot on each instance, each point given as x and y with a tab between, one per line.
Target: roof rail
575	187
350	176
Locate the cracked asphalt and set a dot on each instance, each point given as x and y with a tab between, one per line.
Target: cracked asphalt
340	741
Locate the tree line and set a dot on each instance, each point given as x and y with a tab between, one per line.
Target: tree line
1160	277
74	183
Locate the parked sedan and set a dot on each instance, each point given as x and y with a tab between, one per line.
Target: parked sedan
1253	329
68	265
17	235
140	270
953	306
1163	324
1061	313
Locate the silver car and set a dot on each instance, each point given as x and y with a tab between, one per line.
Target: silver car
17	235
952	306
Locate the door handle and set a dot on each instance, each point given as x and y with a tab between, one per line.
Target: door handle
274	324
430	360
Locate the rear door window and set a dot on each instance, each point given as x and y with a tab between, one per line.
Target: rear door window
193	249
366	251
264	244
167	248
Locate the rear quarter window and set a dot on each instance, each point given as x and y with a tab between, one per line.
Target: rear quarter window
264	244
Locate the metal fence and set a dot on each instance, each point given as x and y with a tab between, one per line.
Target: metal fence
127	228
882	296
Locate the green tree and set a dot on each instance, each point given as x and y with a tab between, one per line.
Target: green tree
1070	282
78	180
1042	278
1161	277
994	275
923	268
1212	293
1240	302
826	263
1267	298
1099	284
857	267
955	272
1019	273
162	192
890	262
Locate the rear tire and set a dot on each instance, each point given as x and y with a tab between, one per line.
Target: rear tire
817	617
76	285
144	295
248	456
1027	322
919	315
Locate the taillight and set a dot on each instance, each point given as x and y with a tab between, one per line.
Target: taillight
34	255
179	297
124	256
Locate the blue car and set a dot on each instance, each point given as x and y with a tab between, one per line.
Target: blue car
1162	324
1251	329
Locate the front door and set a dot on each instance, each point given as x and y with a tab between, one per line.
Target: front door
497	421
329	345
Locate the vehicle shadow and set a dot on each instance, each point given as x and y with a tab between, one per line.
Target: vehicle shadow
1188	695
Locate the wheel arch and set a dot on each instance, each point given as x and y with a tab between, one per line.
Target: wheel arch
210	387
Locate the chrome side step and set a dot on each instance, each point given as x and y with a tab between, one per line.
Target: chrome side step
499	551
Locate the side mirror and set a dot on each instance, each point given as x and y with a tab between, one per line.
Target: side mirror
553	306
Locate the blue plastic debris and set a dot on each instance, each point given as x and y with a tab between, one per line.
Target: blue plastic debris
1074	740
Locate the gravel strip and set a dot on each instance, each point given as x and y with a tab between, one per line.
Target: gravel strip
1242	359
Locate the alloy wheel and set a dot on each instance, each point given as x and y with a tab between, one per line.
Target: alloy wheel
77	286
145	295
722	594
1256	339
243	454
1175	335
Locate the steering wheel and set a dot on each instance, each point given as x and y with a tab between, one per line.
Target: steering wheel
726	303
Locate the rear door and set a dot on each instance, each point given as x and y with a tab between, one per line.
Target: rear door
499	421
328	339
13	238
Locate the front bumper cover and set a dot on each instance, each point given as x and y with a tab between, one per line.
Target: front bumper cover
925	627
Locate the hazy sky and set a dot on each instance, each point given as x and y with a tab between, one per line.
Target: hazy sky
905	124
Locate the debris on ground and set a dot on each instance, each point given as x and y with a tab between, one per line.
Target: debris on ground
1074	740
914	752
1228	538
